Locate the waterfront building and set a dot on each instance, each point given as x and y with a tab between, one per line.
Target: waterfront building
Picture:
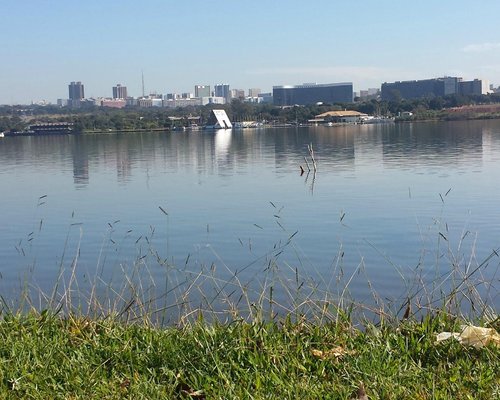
311	93
52	128
202	91
346	116
425	88
429	88
119	92
475	87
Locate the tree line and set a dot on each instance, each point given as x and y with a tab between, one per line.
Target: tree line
105	119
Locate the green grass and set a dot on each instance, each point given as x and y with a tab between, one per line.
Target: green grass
198	336
45	356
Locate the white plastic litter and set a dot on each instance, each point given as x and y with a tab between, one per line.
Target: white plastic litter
472	336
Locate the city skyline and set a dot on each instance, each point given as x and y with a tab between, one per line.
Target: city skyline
257	45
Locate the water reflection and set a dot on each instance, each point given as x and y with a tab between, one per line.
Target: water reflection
80	163
223	151
227	152
217	188
433	143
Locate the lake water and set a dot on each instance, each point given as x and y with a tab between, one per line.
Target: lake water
391	211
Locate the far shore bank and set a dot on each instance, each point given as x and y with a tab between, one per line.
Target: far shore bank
417	119
470	113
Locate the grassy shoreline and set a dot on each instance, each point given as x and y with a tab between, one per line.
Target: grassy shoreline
228	340
247	346
44	355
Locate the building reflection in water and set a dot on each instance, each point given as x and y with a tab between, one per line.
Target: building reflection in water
80	162
228	152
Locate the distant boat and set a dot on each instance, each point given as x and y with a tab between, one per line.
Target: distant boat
377	120
2	134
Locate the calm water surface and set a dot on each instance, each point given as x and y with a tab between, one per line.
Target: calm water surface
389	203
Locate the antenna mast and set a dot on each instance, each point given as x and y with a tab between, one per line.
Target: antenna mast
142	72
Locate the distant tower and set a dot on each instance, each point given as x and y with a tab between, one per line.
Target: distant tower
119	92
142	72
223	91
202	91
76	91
237	94
254	92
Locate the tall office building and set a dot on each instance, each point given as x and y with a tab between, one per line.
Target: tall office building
223	90
238	94
424	88
76	91
475	87
311	93
119	92
253	92
202	91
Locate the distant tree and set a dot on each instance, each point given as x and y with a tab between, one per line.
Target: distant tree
369	107
437	103
455	100
242	111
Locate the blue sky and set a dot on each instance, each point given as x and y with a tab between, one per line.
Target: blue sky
181	43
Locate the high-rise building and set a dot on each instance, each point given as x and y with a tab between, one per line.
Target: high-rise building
76	91
119	92
425	88
254	92
238	94
222	90
202	91
311	93
265	98
475	87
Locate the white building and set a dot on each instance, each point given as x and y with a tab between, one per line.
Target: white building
219	120
180	102
212	100
346	116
